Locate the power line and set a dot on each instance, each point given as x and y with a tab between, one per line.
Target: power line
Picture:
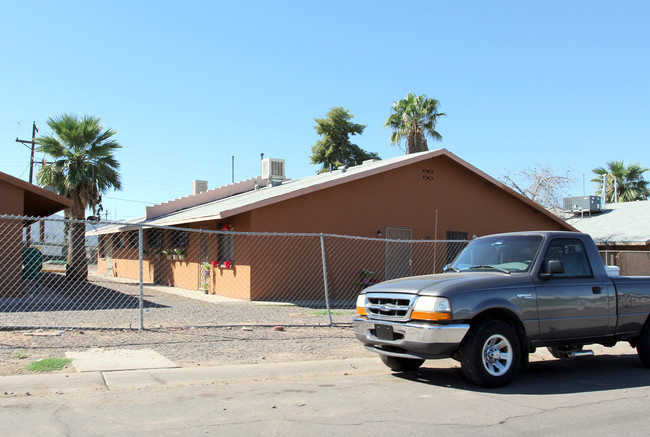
129	200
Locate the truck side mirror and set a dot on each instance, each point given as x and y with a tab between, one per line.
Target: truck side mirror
554	266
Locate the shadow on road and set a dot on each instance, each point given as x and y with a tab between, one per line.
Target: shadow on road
550	377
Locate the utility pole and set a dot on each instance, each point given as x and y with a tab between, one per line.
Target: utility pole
31	159
28	230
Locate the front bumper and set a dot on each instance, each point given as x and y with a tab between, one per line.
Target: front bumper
410	340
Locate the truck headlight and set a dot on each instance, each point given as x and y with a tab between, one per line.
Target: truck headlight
361	305
431	308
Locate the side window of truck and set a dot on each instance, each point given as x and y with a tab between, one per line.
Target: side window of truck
574	258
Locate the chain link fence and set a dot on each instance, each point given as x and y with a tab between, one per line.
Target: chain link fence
57	273
631	262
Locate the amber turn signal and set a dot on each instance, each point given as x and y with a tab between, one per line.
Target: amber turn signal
421	315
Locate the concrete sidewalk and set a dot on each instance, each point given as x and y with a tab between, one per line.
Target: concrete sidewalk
100	370
64	383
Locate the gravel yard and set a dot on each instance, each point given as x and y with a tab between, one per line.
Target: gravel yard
106	302
185	346
188	327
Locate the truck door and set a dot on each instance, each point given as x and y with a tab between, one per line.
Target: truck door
574	303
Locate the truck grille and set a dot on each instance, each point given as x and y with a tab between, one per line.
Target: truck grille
389	306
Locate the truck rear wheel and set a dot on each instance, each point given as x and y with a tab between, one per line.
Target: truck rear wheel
400	364
490	354
643	344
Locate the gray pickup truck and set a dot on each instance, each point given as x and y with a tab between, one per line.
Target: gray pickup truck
502	297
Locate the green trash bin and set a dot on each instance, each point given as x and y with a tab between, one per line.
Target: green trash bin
32	263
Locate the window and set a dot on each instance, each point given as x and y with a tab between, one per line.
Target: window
154	238
574	258
133	240
225	248
515	253
118	241
179	239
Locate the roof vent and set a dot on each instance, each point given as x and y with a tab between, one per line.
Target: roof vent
273	169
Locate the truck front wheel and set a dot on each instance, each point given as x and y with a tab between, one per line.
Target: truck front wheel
490	354
400	364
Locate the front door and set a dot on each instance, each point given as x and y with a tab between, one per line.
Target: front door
398	254
573	304
110	271
204	259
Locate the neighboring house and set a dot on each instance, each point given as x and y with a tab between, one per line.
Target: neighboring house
50	238
431	195
20	198
623	230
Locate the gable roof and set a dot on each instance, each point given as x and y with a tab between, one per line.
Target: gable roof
247	201
624	223
38	202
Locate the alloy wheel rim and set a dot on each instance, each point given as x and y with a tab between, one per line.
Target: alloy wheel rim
497	355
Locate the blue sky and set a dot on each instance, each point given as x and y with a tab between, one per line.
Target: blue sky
187	85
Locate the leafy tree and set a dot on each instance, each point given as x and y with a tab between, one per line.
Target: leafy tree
334	148
83	168
541	184
624	184
414	118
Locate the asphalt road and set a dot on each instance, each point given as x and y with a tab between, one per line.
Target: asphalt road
604	394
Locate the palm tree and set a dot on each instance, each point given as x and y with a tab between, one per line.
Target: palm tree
83	168
414	118
624	184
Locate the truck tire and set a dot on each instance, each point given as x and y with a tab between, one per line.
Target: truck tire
643	344
399	364
490	354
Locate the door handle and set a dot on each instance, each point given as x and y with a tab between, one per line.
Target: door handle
596	290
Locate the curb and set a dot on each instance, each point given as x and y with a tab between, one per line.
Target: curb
67	383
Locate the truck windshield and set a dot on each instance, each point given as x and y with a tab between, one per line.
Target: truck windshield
508	254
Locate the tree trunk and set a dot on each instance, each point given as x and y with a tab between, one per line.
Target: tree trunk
416	142
411	146
77	268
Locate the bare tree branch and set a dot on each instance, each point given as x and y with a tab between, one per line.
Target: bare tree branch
542	184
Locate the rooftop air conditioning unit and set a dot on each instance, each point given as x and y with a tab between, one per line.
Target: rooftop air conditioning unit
583	203
273	169
199	187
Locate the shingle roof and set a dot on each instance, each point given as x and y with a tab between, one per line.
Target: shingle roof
620	223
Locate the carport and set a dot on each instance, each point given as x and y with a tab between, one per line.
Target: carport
20	198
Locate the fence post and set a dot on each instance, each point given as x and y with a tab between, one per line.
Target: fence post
327	299
140	254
